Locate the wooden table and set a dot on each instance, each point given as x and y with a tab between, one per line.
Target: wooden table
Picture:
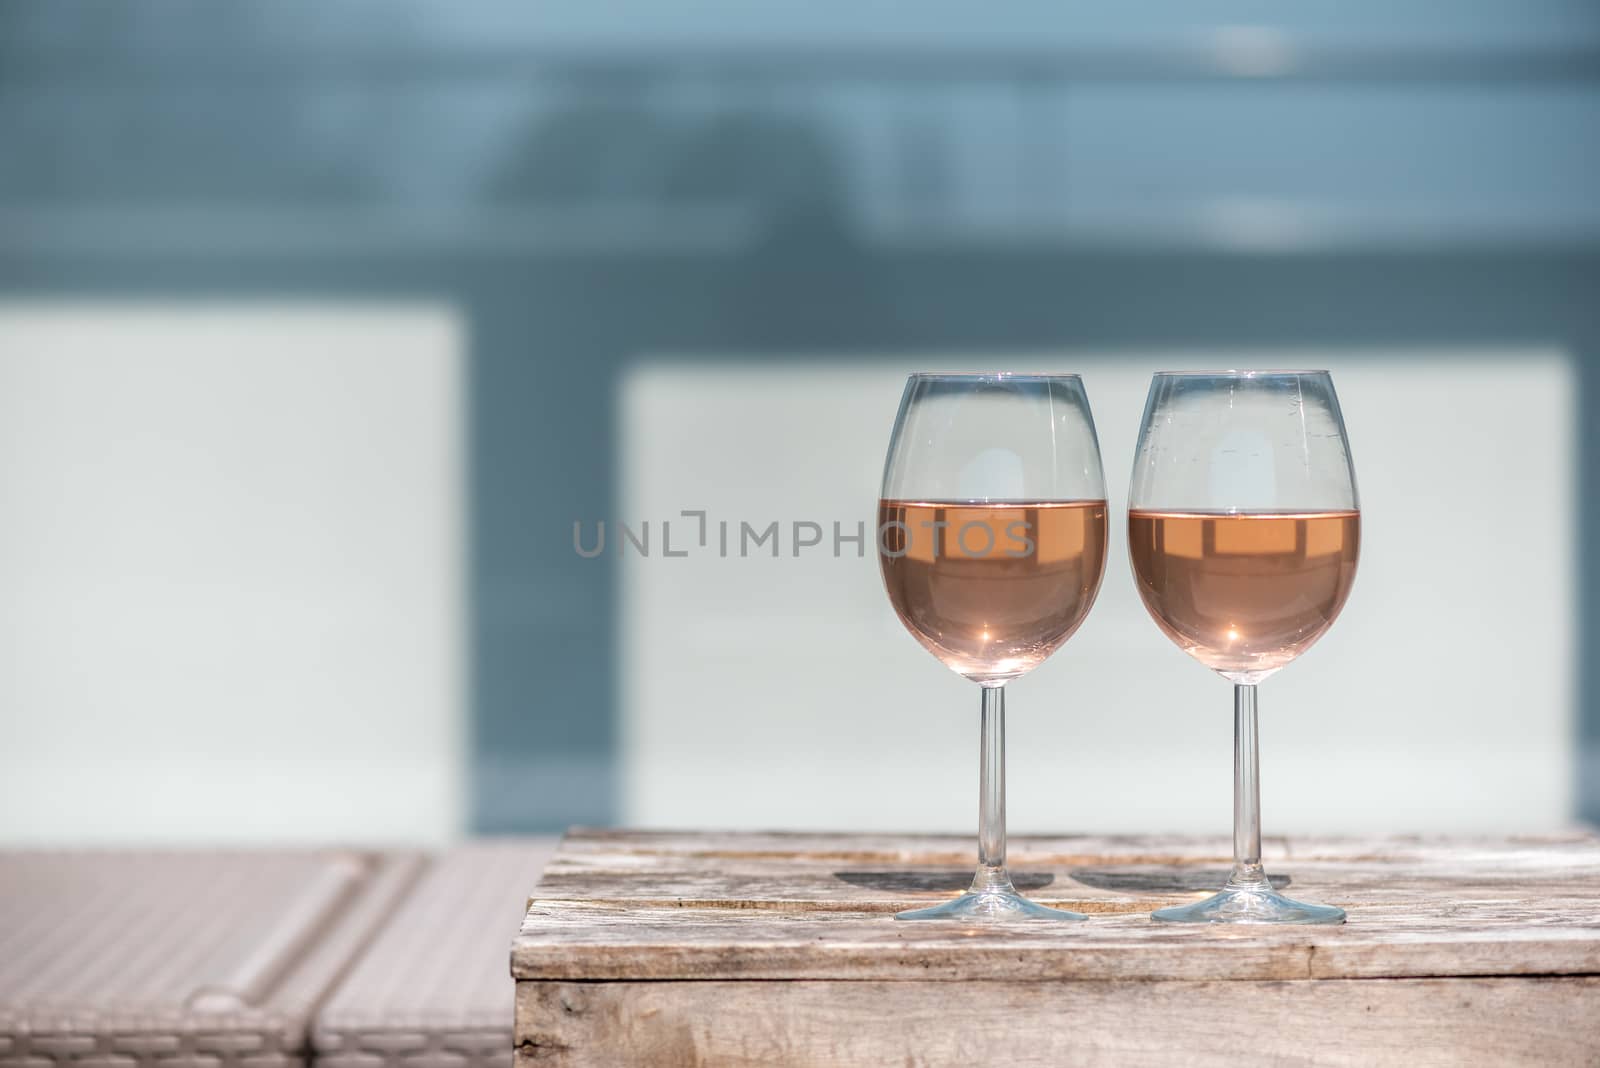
769	949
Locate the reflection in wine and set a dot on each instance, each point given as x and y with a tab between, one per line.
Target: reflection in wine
992	589
1244	593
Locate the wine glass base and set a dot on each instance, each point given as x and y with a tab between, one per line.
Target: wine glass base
990	906
1249	905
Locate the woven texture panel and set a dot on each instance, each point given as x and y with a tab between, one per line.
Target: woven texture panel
182	960
434	989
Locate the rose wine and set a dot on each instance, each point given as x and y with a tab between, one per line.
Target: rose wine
992	589
1244	594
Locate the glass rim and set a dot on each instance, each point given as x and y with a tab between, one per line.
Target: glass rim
1273	372
1024	376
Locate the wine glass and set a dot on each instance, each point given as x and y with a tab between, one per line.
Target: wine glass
1243	528
992	543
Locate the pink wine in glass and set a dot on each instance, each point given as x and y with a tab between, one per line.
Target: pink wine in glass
992	589
1244	593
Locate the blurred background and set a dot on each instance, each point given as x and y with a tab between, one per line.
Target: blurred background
321	325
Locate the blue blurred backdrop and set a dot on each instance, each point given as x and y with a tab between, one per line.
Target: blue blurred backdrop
583	182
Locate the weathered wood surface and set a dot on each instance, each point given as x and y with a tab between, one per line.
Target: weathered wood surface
641	949
660	906
1412	1022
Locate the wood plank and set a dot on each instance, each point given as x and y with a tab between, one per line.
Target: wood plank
1089	873
583	941
661	905
772	870
1411	1022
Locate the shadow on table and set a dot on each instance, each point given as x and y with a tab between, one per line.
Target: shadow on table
1130	880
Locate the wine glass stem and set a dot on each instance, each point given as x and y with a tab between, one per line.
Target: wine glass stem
991	874
1247	870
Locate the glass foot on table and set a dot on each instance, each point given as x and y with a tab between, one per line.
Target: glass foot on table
987	905
1249	905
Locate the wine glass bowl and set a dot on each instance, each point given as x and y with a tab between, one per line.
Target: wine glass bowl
992	589
1244	593
992	544
1244	531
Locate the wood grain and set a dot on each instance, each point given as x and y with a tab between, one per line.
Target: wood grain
632	905
782	949
1412	1022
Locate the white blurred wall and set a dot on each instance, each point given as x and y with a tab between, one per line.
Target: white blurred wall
784	693
230	572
